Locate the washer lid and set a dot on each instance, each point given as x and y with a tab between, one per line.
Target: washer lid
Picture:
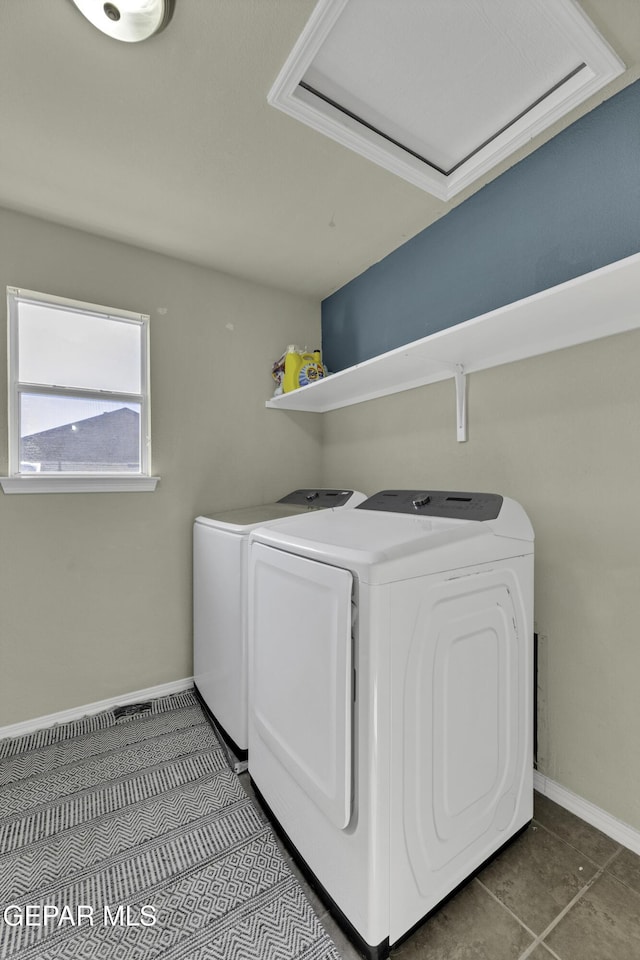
304	501
381	546
244	519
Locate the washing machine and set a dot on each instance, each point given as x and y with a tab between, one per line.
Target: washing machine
390	691
220	547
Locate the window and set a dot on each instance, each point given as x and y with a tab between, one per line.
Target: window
78	396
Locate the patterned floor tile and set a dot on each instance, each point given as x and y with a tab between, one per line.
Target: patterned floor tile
585	838
537	876
626	867
603	925
472	926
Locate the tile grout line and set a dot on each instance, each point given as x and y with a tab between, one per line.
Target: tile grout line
533	946
505	907
559	836
554	923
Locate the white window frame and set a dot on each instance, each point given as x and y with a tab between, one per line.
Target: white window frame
17	482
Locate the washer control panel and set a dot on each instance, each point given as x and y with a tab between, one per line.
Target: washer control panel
317	499
436	503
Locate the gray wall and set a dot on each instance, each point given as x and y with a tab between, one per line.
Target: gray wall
559	433
95	589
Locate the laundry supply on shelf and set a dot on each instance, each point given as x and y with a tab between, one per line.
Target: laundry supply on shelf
297	368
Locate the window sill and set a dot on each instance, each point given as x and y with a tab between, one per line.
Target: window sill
85	484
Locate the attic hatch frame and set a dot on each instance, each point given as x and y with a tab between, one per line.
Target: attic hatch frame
294	96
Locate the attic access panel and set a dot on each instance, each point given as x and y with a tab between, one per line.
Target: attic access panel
439	91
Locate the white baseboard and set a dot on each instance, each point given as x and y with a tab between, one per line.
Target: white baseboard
76	713
598	818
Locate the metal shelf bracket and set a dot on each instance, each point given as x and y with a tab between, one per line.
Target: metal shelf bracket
461	402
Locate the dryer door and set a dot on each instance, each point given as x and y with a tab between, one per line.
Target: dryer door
301	673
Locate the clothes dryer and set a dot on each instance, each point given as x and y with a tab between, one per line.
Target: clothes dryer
220	549
390	689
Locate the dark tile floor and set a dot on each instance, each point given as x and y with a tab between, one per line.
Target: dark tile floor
562	890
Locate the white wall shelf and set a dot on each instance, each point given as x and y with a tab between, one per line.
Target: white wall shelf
597	304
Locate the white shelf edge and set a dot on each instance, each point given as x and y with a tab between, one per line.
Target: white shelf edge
325	403
598	304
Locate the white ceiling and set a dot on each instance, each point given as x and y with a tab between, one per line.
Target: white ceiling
170	144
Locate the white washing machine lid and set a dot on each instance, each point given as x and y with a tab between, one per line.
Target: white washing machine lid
306	501
381	547
244	519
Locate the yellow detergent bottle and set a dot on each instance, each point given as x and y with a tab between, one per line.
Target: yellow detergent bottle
301	368
292	364
311	369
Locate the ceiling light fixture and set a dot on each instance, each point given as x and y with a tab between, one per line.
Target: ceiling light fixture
128	20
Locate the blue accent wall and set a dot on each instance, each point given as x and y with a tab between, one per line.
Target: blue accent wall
570	207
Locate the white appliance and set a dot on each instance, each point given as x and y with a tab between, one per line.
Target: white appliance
390	691
220	550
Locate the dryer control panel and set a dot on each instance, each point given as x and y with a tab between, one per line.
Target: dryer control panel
436	503
318	499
